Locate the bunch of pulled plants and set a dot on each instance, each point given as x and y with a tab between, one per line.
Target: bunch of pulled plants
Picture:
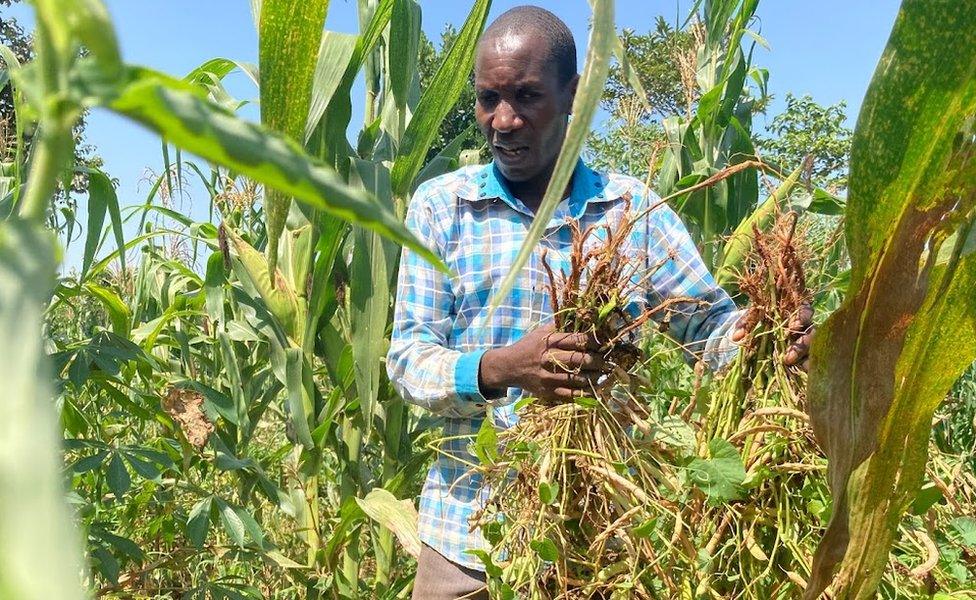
571	491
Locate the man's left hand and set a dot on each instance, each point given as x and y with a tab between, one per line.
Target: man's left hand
801	334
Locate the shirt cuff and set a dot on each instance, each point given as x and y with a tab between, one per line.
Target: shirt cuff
466	376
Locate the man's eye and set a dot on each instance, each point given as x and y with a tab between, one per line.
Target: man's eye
487	97
528	95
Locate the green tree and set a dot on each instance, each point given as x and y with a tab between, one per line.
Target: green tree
806	128
632	138
663	59
21	43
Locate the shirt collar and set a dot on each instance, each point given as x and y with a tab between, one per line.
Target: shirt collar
588	186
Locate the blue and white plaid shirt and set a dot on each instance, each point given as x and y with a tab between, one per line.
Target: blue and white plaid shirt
476	226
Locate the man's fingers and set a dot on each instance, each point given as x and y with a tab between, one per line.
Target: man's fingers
578	381
803	319
574	361
796	353
572	341
745	324
567	394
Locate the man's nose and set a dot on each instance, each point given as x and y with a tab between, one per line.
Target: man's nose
506	119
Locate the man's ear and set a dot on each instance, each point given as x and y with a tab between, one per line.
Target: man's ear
571	87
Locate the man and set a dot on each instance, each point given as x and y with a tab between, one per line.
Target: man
446	357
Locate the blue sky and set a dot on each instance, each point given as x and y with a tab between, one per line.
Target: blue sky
827	48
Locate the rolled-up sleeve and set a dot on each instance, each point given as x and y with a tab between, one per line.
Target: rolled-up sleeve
697	313
421	364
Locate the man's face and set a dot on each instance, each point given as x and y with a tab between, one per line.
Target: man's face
521	106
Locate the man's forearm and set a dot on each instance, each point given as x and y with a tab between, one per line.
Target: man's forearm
496	373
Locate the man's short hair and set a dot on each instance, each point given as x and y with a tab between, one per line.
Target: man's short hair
562	46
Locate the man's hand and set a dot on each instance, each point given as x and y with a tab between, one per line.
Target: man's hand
801	335
546	364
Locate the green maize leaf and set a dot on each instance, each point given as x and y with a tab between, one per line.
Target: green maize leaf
334	56
39	548
738	246
10	63
97	204
907	328
438	99
216	69
101	199
213	288
447	159
280	299
371	273
332	233
329	137
825	203
118	312
299	398
399	516
91	26
743	186
404	42
175	111
70	23
588	95
231	367
289	37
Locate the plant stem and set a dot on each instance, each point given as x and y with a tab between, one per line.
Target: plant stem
51	155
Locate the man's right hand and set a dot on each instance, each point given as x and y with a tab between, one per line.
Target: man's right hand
546	364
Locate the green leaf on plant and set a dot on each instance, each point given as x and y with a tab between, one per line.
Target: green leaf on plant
548	492
546	549
928	496
485	445
108	566
586	402
674	432
117	476
966	528
83	465
720	476
645	529
198	522
233	524
491	568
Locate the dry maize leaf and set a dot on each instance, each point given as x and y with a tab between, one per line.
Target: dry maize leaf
290	35
907	330
186	408
399	516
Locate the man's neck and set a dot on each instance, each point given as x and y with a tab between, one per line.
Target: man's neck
531	192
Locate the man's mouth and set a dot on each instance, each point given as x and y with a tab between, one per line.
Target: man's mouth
511	152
